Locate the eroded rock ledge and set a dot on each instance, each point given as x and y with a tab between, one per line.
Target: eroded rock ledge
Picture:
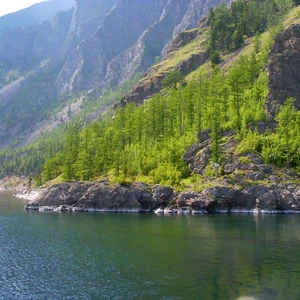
103	196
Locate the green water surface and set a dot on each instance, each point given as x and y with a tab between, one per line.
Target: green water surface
143	256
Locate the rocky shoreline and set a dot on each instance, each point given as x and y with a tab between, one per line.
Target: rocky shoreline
104	196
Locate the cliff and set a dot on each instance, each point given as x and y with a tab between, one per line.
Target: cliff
94	46
283	69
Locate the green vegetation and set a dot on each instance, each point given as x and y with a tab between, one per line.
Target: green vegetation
147	143
28	160
172	79
231	26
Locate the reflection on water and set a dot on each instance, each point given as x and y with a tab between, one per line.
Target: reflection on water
115	256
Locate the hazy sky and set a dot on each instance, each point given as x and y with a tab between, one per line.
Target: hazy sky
8	6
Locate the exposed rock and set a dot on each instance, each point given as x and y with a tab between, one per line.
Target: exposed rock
192	63
225	197
196	10
255	176
151	84
63	194
199	154
268	200
162	196
196	201
274	179
182	39
283	69
288	202
30	45
88	16
104	196
262	127
148	47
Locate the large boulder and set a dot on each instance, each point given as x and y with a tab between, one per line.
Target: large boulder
196	201
106	196
226	197
63	194
161	196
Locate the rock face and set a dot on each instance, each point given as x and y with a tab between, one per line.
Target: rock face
96	45
88	16
196	10
283	69
103	196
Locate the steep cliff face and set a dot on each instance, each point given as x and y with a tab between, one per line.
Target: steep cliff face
179	55
123	25
196	10
283	69
128	40
98	44
88	16
142	54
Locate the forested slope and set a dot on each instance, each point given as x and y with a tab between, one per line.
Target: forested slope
148	142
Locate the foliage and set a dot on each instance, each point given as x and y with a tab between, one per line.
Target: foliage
28	160
149	141
172	79
282	147
231	25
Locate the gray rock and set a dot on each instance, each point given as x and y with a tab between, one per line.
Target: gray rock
288	201
266	169
255	176
226	197
274	179
196	201
114	198
269	200
161	196
283	70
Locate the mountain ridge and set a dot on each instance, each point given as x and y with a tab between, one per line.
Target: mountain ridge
90	48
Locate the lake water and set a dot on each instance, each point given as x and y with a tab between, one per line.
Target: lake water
118	256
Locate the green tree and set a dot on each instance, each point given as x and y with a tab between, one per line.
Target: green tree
172	79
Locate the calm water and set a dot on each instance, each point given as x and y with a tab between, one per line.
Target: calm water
112	256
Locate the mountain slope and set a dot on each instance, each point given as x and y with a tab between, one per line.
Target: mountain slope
34	15
220	112
95	46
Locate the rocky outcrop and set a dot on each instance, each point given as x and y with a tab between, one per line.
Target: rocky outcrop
182	39
120	48
103	196
88	16
87	65
149	46
196	10
151	84
283	69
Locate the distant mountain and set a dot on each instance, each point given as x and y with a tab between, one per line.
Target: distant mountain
34	15
128	40
95	45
